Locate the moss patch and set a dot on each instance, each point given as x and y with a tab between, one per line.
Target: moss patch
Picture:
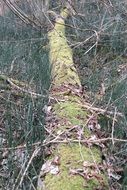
72	157
71	111
61	56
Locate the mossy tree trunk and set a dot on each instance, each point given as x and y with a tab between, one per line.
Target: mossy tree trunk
71	164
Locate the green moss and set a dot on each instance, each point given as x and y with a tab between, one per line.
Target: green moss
72	157
6	80
61	56
65	13
63	182
71	111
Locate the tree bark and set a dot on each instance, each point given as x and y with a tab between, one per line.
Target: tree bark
71	164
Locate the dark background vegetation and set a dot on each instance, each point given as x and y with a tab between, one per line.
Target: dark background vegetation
101	62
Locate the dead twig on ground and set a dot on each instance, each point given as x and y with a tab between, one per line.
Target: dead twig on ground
66	141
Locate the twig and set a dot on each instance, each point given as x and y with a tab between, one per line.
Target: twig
89	107
24	173
15	86
85	141
65	141
19	174
113	124
21	14
23	90
34	188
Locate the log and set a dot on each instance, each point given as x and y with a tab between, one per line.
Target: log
72	165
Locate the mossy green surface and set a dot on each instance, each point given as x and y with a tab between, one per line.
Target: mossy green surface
72	157
61	56
71	111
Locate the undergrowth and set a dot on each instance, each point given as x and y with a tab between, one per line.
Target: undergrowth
97	35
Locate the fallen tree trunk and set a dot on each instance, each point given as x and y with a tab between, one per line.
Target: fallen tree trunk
70	164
